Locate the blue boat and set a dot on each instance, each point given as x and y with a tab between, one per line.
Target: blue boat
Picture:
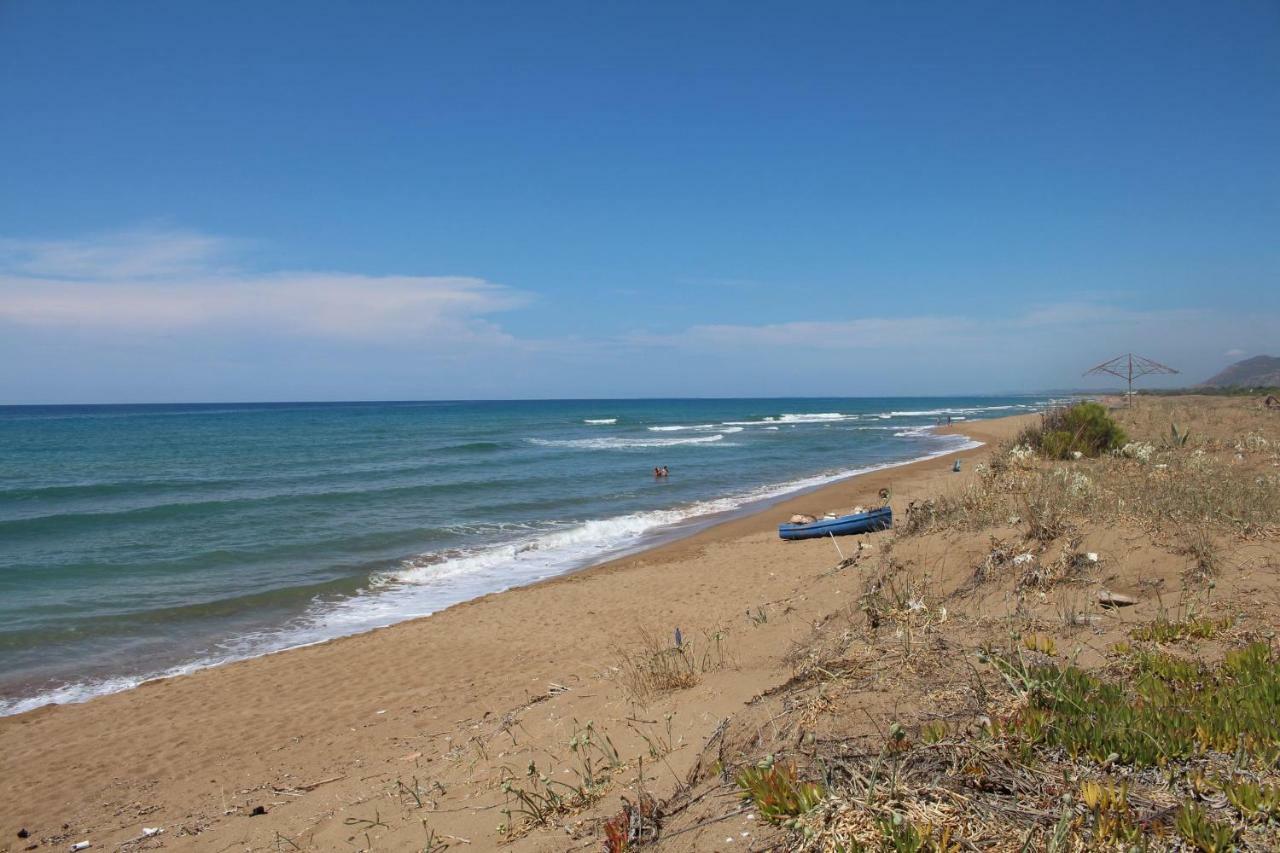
845	525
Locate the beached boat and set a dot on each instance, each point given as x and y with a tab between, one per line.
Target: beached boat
844	525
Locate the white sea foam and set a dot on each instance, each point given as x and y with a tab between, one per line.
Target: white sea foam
965	410
600	421
681	427
432	582
623	443
793	418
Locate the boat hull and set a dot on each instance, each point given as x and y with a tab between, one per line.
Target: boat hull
845	525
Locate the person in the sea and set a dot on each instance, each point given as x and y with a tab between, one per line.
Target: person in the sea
665	472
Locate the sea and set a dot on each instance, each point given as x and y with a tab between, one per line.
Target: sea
144	541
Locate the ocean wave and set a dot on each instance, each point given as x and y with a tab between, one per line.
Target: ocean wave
817	417
434	581
600	421
681	427
795	418
622	443
964	410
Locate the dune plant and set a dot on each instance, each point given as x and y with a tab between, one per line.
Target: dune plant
1170	708
1202	832
1084	428
1177	437
777	791
655	666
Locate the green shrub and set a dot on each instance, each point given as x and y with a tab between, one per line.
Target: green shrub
1083	428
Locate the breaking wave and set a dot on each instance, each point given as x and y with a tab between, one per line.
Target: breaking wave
621	443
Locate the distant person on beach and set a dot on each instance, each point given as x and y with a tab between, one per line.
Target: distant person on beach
659	473
948	420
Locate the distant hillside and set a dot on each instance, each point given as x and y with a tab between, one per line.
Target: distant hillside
1261	370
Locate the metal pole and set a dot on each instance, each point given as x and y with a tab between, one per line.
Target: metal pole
1128	401
837	544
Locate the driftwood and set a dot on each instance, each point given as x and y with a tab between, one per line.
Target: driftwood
1272	402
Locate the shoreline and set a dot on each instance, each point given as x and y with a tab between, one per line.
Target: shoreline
80	692
210	743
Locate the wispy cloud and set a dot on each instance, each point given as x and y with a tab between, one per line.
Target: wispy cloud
1235	353
98	316
147	282
120	255
1082	325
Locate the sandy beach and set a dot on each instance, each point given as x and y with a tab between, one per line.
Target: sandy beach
402	737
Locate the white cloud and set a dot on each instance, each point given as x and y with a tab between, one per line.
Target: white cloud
1234	353
1083	326
116	256
162	282
105	316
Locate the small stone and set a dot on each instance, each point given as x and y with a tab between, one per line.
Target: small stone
22	833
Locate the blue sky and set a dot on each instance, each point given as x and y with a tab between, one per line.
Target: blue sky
255	201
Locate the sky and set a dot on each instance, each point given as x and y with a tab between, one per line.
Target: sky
218	201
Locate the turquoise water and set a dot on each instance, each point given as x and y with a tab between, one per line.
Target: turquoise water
137	541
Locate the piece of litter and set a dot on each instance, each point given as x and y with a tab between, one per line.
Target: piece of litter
1115	599
148	831
381	712
1092	557
81	845
1022	559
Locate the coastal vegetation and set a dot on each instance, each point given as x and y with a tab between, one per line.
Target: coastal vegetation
1066	432
1027	704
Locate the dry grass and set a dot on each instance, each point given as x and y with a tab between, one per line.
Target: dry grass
1018	747
1194	491
655	666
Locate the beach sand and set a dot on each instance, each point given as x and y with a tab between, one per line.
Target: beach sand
377	741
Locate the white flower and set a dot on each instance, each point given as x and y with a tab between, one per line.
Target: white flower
1022	455
1139	450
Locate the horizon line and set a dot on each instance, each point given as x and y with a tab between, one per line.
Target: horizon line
1035	393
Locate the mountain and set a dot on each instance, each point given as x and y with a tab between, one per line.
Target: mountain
1259	371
